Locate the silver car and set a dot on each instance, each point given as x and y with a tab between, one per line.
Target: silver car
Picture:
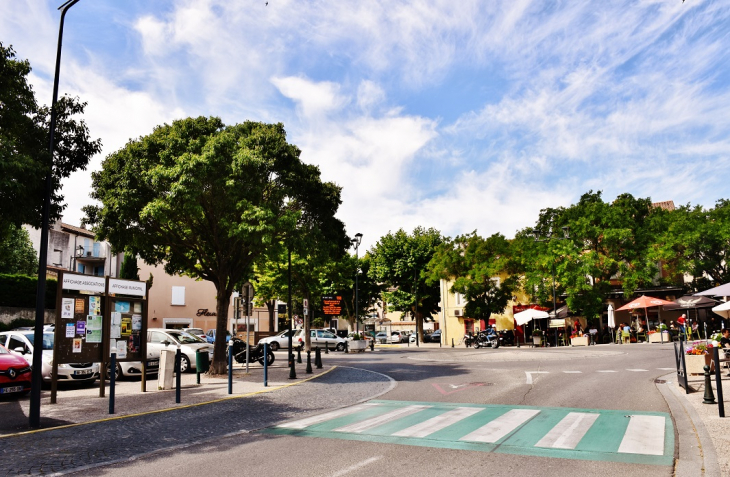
279	341
21	343
320	338
159	339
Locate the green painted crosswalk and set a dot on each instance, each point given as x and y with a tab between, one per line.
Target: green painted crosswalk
585	434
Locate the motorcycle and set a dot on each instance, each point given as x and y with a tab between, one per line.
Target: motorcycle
468	340
485	339
255	353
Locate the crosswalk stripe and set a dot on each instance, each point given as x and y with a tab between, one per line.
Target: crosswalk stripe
644	435
569	431
310	421
501	426
437	423
382	419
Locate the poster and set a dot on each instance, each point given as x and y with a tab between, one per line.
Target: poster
93	329
77	345
126	326
116	318
70	330
81	328
133	343
67	308
80	305
121	306
115	331
95	305
121	349
137	307
136	322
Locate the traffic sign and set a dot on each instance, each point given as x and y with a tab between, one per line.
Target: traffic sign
332	305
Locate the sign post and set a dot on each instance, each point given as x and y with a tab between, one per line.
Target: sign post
247	295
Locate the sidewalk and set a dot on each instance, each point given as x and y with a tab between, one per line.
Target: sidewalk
82	404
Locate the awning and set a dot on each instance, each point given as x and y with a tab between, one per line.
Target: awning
528	315
723	310
690	301
722	290
561	312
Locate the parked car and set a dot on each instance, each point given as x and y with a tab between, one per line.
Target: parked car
279	341
134	368
434	337
210	336
321	338
21	343
399	337
15	375
382	337
159	339
196	332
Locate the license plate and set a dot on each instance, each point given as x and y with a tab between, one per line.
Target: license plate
82	372
11	389
153	364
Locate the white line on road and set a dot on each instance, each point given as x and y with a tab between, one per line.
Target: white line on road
302	423
501	426
530	373
437	423
644	435
637	370
573	372
382	419
606	371
357	466
668	369
569	431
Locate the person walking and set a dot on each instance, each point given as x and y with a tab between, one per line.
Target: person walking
682	322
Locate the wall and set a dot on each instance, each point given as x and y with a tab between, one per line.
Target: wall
9	313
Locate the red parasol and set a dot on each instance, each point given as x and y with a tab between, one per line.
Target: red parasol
645	302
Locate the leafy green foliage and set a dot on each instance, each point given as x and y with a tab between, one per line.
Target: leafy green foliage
129	269
17	255
20	291
24	158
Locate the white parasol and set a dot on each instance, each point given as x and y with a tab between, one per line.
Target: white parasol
722	310
528	315
611	319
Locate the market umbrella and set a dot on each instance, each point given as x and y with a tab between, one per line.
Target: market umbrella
645	302
528	315
688	302
722	290
611	321
723	310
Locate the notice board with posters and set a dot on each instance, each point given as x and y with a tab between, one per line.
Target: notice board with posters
127	312
332	305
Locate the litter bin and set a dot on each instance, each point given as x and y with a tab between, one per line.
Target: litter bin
202	361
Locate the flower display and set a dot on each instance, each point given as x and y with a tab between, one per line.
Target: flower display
699	348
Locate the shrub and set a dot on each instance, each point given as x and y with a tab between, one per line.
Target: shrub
20	291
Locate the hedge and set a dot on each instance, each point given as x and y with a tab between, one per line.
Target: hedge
20	291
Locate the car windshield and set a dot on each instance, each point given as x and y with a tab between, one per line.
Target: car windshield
184	338
47	339
195	331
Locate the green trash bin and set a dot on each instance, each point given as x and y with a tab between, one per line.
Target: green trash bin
202	361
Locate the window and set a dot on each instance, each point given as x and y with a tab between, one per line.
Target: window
157	337
178	296
82	268
459	298
59	257
97	248
14	343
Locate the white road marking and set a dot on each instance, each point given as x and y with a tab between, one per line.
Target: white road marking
668	369
605	371
439	422
303	423
644	435
573	372
637	370
569	431
501	426
530	373
382	419
353	467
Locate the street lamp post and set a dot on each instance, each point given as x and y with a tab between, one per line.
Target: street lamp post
356	243
550	235
34	414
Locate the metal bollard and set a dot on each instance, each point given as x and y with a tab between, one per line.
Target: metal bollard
112	380
299	355
317	358
452	342
347	347
372	345
178	374
718	383
709	397
266	364
230	367
309	362
326	348
292	369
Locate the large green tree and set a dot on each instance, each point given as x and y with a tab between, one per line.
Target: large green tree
17	255
207	200
480	270
400	262
24	158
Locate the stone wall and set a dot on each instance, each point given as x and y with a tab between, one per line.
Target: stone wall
9	313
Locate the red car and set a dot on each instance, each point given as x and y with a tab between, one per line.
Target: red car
15	373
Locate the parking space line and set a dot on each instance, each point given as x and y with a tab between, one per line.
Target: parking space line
357	466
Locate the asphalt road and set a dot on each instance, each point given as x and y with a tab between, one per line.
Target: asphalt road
609	383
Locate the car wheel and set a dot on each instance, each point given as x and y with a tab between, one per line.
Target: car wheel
274	346
117	371
340	347
184	363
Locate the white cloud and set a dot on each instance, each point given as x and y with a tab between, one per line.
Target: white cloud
313	99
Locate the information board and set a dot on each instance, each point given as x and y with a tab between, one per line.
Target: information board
332	305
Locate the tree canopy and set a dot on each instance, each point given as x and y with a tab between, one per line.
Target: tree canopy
24	158
17	255
207	200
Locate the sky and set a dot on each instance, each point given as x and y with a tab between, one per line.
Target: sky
462	116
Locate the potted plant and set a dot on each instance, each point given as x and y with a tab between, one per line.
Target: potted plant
697	356
579	340
537	337
357	342
655	337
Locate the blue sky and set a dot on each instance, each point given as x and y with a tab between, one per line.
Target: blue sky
455	115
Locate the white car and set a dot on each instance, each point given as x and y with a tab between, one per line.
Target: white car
159	339
21	343
279	341
321	338
196	332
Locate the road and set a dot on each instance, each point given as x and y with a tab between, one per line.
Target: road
570	411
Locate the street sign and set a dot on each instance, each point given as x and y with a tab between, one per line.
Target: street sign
332	305
306	310
305	303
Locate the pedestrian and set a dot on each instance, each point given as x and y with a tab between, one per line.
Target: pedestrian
682	322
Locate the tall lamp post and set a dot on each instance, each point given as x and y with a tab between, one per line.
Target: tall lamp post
550	235
356	243
34	414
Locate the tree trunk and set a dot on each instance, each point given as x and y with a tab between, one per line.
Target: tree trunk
271	307
219	364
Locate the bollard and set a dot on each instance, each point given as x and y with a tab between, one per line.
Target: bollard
372	345
178	374
440	343
309	362
347	347
317	358
326	348
718	383
266	364
452	342
230	367
709	396
299	355
292	369
112	380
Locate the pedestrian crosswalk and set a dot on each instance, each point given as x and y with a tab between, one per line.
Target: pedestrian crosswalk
586	434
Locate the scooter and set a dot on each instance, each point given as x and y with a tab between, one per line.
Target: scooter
255	353
486	339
